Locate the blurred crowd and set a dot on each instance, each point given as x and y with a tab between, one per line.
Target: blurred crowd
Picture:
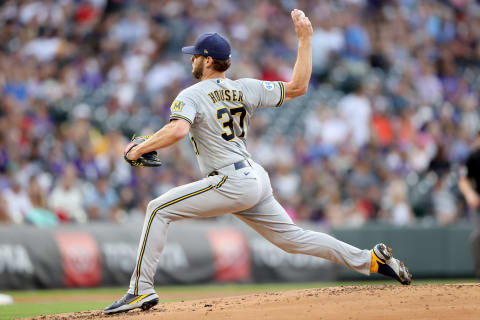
79	77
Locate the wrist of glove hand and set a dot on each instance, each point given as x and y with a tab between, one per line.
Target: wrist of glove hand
149	159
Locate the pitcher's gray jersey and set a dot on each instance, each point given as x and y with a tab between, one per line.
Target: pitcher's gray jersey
219	112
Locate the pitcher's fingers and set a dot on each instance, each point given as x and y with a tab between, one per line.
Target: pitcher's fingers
295	16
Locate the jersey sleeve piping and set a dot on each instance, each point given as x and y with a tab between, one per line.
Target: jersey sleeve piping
177	116
282	94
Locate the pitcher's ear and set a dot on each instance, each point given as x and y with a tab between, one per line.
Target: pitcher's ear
209	61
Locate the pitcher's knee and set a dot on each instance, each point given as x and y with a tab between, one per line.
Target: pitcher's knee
155	207
151	207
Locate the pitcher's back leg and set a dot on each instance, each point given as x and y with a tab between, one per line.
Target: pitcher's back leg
270	220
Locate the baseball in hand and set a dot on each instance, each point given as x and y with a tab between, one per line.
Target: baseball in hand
301	13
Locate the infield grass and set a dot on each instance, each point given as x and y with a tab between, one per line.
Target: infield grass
31	303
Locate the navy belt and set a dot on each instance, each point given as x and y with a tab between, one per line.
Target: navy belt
238	165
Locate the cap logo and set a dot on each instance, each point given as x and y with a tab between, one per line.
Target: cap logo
205	51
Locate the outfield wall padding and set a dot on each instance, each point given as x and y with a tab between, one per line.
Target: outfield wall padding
99	254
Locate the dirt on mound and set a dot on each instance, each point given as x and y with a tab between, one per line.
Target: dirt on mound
456	301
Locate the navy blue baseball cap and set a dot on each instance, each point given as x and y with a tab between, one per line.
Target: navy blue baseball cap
210	44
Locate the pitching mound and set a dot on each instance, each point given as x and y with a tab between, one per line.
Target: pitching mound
457	301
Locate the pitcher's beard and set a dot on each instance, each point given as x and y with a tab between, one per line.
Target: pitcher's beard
198	72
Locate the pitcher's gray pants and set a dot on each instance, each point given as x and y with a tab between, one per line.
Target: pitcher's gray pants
247	194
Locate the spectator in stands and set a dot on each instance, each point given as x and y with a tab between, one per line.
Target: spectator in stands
102	201
356	110
4	216
396	206
39	214
357	40
444	204
17	202
66	199
327	42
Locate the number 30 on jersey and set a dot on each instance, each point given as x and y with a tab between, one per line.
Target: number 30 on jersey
227	116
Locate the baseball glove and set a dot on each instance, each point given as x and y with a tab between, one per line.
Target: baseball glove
149	159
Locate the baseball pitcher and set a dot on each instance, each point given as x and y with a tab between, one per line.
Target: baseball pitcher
216	114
